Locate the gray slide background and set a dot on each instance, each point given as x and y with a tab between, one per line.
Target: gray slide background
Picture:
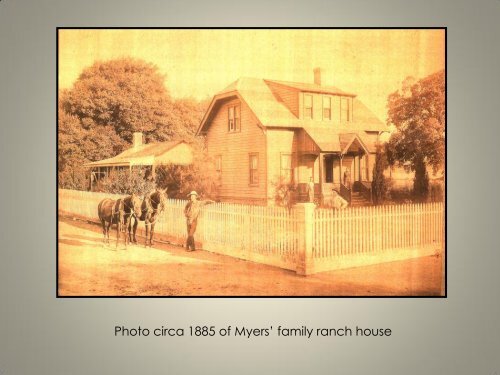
40	334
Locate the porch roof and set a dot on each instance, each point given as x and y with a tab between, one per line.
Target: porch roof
147	154
329	141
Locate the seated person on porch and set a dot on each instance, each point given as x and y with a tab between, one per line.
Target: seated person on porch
338	203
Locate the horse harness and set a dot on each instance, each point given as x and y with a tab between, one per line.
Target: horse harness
149	207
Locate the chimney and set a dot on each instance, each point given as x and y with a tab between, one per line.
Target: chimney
137	139
317	76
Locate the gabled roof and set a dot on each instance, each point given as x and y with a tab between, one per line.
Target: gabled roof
271	112
147	154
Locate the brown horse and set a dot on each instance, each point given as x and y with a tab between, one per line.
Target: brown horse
132	208
111	212
118	212
152	206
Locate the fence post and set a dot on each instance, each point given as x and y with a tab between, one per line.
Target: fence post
305	216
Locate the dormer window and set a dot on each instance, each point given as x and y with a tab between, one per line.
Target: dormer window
327	107
345	109
308	106
234	118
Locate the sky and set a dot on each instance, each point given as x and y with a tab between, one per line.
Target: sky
199	63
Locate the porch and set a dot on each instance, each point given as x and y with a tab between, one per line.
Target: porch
345	170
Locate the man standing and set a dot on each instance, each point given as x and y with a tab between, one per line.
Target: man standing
191	211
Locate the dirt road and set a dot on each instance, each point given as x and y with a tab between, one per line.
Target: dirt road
86	268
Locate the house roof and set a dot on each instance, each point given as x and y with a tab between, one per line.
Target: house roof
312	87
271	112
147	154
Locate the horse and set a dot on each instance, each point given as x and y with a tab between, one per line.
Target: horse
118	212
132	208
111	212
152	206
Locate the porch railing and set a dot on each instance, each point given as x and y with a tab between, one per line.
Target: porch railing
365	188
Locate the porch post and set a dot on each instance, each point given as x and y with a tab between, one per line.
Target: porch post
359	165
340	169
321	178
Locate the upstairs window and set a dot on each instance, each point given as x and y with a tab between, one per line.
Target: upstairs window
327	107
254	169
308	106
234	118
345	109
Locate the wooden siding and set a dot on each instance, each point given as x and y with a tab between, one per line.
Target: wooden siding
306	169
286	95
235	148
305	144
279	141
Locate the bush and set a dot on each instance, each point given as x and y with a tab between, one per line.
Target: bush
73	177
283	193
199	176
121	181
400	195
421	182
436	193
379	183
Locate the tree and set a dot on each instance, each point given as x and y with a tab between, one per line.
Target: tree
379	183
127	95
418	113
199	176
108	103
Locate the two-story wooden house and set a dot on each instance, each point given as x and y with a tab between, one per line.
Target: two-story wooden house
261	132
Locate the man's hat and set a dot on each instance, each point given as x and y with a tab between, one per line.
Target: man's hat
192	193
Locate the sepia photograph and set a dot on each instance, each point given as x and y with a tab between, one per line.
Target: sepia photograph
251	162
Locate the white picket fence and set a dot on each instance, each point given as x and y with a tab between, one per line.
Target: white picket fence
266	235
303	239
366	235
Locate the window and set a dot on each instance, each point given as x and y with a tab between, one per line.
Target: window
218	163
327	107
254	169
234	118
345	109
286	168
308	106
